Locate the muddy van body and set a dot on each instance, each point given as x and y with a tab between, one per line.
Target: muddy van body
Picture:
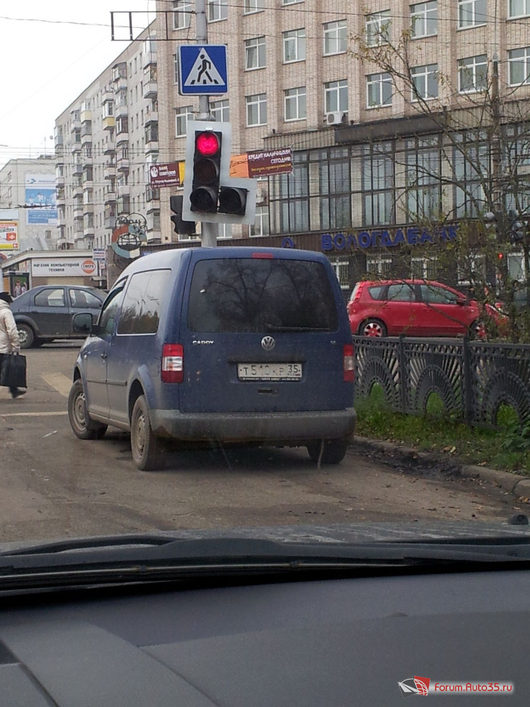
229	344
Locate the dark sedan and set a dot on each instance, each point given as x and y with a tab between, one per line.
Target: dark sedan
45	313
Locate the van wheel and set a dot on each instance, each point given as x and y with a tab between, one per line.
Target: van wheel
372	327
25	335
145	446
333	452
82	425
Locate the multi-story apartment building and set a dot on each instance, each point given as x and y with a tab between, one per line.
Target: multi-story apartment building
376	100
27	198
104	143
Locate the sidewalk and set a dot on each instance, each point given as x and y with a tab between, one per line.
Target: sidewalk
515	484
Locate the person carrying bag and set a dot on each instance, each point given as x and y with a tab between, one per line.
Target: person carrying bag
12	364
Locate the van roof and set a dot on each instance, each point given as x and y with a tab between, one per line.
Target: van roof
170	257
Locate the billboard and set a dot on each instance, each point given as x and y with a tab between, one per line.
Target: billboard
8	234
165	175
40	199
61	267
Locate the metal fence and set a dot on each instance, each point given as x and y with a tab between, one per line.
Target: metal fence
473	379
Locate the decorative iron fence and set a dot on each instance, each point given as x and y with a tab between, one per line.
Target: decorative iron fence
473	379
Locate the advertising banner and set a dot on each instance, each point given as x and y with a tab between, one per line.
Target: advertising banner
66	267
164	175
262	163
40	199
8	235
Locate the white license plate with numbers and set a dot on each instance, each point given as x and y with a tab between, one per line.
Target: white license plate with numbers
269	371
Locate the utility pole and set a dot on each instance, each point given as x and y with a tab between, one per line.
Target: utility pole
208	230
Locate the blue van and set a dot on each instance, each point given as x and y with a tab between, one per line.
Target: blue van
223	345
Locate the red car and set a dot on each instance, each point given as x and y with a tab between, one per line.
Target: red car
417	308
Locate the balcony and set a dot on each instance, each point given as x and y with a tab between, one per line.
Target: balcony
109	149
121	110
109	122
109	169
75	124
60	196
149	58
122	137
108	95
59	180
77	167
75	147
151	146
78	209
119	83
123	164
150	89
77	190
86	115
123	190
110	196
86	139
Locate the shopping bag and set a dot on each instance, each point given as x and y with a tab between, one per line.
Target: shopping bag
13	371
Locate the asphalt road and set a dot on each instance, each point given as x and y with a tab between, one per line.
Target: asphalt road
54	485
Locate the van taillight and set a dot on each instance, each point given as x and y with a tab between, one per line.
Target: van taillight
173	363
348	363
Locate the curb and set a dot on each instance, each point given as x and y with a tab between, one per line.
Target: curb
516	484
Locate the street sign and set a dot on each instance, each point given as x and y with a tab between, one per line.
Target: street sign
202	69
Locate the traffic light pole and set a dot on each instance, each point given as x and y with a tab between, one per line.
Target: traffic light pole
208	230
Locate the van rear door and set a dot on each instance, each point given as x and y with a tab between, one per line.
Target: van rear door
263	333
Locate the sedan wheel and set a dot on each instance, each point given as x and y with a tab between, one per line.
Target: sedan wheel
25	335
372	327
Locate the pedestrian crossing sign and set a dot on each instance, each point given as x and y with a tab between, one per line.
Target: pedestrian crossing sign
202	69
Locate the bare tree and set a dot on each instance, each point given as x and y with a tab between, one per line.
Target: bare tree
480	176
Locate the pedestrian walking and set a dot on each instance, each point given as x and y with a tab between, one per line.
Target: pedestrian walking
9	339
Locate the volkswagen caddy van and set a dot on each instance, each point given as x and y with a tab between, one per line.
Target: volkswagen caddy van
220	345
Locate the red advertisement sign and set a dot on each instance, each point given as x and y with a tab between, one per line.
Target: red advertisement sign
164	175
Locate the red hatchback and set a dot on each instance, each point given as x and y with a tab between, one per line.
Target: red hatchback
416	308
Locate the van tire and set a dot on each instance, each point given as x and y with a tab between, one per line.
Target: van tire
145	445
81	423
333	452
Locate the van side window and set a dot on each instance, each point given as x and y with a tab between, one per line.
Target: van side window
141	305
109	312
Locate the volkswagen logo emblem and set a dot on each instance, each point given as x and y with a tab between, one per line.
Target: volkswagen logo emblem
268	343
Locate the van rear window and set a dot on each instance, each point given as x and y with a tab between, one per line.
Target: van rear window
257	295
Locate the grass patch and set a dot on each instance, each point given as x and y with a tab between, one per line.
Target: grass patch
507	447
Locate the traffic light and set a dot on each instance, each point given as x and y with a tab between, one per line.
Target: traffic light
204	195
183	228
517	230
210	194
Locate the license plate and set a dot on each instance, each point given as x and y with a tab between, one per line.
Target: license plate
269	371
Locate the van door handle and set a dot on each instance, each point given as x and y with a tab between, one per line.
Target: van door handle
104	355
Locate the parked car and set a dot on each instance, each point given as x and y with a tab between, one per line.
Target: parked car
44	313
417	308
219	345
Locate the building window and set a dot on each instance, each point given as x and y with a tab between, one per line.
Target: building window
182	115
377	169
472	74
260	227
294	45
518	8
334	183
220	111
256	109
423	175
255	53
217	10
291	2
471	161
336	96
378	90
424	81
295	103
294	198
335	37
182	10
424	19
519	63
377	28
471	13
250	6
